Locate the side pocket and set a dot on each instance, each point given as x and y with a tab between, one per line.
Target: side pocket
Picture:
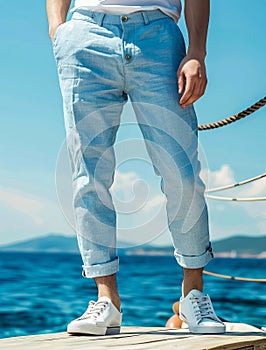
64	42
54	43
58	30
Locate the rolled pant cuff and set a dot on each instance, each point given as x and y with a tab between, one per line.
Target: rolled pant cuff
194	262
103	269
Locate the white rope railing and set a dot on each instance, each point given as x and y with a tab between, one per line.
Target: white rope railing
232	199
236	184
229	199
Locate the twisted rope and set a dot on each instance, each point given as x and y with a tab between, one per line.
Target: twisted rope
246	279
234	117
219	124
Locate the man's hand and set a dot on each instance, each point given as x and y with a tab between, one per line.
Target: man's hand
56	13
192	80
53	29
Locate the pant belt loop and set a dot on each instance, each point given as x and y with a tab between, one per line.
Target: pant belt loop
145	17
100	17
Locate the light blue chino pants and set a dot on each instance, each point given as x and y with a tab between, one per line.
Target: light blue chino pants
102	59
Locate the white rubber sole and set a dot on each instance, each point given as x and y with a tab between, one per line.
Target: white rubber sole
94	330
207	330
219	329
91	330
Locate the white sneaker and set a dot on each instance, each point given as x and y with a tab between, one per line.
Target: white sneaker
197	311
101	318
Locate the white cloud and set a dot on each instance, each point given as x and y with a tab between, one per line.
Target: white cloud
23	203
155	202
244	211
151	211
255	189
125	188
144	203
124	181
222	177
25	215
136	193
225	176
255	209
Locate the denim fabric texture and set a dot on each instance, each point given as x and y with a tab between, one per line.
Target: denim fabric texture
102	60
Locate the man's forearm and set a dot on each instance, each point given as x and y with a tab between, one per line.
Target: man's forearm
56	13
197	14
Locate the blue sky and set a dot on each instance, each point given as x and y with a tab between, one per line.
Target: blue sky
32	130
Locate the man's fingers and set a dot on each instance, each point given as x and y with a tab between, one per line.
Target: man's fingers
189	88
181	83
193	91
191	80
198	90
193	98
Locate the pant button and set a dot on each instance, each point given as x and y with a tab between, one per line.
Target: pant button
124	18
128	57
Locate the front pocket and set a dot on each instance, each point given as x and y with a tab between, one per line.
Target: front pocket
57	31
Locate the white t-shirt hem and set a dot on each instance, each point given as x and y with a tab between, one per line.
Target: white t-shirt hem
172	12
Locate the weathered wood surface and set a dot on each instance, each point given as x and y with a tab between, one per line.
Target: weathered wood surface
237	336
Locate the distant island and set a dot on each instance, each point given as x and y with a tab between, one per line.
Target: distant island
233	247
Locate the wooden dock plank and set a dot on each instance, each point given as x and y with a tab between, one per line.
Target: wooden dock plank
237	336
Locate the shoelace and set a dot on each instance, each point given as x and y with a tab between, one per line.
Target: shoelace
94	309
202	308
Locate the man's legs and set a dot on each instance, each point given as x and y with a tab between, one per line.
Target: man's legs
107	287
92	88
170	134
175	160
192	280
93	101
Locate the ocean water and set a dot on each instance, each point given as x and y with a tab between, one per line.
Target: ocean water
41	293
